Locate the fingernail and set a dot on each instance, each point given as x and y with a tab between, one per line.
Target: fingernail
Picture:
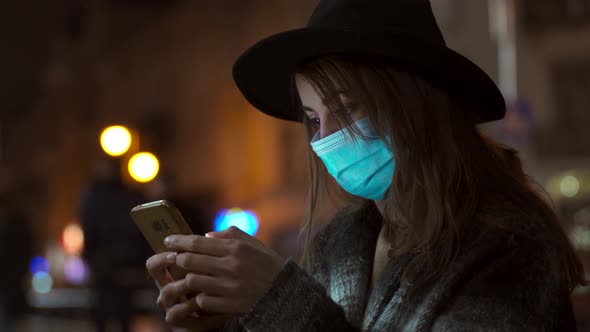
210	234
171	257
168	241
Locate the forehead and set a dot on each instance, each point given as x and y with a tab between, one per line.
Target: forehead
304	87
308	91
310	98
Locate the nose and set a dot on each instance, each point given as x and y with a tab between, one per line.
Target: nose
328	126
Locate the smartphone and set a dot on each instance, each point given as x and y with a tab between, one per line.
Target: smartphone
156	220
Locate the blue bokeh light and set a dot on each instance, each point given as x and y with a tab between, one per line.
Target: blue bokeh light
42	282
39	264
247	221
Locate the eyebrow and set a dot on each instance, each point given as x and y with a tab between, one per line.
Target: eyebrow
330	96
336	93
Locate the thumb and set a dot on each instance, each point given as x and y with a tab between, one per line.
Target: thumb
232	232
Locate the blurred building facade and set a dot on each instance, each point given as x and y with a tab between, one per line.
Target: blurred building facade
164	69
548	96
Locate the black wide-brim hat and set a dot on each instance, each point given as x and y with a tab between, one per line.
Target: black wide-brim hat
404	30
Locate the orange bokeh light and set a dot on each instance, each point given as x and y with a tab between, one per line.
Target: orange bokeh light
73	239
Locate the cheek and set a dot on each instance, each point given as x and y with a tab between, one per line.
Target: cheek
359	115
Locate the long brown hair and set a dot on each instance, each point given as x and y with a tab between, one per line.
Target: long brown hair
448	175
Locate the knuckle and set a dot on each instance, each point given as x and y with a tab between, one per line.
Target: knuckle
194	243
202	302
236	246
168	293
163	300
160	302
171	318
174	317
192	281
155	263
182	259
233	266
235	230
234	288
149	263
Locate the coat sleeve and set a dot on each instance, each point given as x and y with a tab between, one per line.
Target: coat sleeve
296	302
515	292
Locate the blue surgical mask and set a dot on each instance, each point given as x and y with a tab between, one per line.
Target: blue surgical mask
362	165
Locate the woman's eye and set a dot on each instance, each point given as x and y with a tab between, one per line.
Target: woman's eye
315	121
349	109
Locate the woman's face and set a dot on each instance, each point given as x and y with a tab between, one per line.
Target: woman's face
315	107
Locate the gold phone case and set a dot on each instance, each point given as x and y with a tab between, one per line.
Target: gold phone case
156	220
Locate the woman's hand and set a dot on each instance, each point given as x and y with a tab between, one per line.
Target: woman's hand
229	270
180	311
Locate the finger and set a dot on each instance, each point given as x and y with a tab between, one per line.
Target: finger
183	298
197	244
172	293
182	315
181	312
203	264
215	286
221	305
232	232
156	266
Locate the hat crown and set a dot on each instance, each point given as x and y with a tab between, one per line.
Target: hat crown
413	17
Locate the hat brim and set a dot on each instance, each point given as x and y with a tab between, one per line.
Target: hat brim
264	71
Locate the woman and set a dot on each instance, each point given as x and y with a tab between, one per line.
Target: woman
443	231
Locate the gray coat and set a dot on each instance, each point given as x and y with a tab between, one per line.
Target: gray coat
499	282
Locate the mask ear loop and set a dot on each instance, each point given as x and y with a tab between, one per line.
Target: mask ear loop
366	129
316	137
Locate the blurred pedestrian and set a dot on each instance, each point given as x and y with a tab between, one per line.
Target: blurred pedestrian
114	249
16	251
